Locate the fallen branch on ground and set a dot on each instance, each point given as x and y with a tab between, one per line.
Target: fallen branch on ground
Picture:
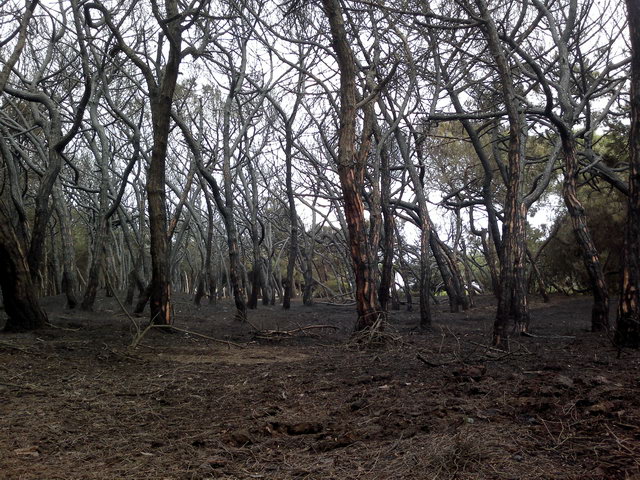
434	364
333	304
139	337
289	333
532	335
15	347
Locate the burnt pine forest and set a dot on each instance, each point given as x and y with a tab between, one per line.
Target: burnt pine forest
441	195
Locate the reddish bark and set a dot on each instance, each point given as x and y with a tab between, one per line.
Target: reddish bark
351	167
591	259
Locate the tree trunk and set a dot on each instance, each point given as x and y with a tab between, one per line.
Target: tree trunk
628	325
542	288
18	292
512	298
425	275
600	309
209	274
351	166
388	228
453	285
69	277
293	217
160	288
161	99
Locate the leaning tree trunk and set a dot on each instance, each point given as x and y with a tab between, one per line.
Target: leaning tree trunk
628	326
450	275
307	254
590	257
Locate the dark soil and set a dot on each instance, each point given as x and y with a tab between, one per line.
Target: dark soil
284	402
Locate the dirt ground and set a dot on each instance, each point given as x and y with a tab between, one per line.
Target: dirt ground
275	400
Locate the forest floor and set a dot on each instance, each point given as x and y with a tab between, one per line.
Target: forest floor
283	402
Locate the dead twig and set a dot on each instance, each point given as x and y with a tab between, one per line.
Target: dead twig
532	335
49	324
349	304
374	335
434	364
122	307
498	350
290	333
15	347
136	340
622	446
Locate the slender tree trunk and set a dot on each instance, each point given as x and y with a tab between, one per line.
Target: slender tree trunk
468	275
628	325
386	276
93	278
600	309
453	285
209	274
69	277
542	287
425	274
307	254
293	218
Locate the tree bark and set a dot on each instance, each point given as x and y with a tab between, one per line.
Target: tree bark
102	154
19	295
590	257
512	301
388	228
293	215
69	277
351	167
628	323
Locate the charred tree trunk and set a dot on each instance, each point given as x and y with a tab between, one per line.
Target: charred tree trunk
18	292
307	254
395	297
628	326
542	287
512	289
293	222
351	167
69	277
293	214
102	154
600	309
388	226
450	275
425	275
210	278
